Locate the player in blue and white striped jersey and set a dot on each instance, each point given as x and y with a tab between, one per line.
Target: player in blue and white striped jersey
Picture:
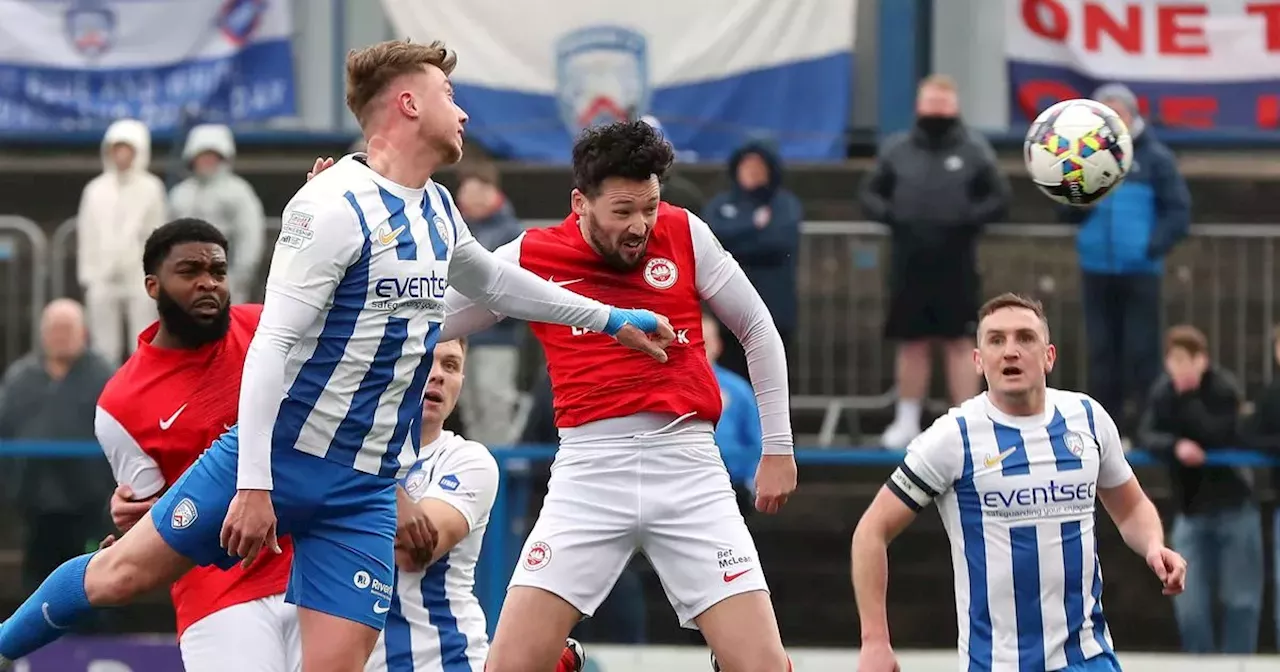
1015	472
331	392
435	623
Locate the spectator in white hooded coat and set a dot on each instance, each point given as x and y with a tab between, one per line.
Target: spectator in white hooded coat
118	210
217	195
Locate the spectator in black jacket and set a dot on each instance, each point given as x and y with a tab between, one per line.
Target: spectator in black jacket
935	187
1191	410
1262	432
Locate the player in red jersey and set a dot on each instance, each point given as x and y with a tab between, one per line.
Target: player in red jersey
171	399
638	468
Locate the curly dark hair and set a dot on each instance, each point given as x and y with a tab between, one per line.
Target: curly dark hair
177	232
632	150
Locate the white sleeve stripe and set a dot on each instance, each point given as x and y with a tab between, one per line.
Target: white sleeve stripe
130	464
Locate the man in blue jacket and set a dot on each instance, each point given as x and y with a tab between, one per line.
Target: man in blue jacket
758	222
1122	244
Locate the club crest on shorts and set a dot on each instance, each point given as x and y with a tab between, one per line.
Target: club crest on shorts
90	27
602	76
362	579
538	556
184	514
1075	443
661	273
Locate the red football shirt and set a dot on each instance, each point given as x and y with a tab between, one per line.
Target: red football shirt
157	414
593	377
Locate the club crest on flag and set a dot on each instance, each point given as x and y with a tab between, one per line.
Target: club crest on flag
602	76
240	18
90	27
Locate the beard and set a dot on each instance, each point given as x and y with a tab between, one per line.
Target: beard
612	251
191	331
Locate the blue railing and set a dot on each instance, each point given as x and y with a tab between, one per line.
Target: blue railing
504	537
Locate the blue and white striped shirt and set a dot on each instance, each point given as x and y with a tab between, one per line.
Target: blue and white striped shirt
436	623
355	304
1017	496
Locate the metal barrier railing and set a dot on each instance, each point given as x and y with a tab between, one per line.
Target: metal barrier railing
24	254
1222	279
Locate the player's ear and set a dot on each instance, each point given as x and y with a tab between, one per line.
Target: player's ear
1050	357
578	201
152	283
408	104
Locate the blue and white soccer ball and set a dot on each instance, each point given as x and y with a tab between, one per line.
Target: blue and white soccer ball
1078	151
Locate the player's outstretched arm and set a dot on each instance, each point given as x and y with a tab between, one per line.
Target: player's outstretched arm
736	303
508	289
1134	514
884	520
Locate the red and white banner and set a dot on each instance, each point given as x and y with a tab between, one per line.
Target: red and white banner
1196	65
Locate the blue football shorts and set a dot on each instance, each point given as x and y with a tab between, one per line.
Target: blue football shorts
343	524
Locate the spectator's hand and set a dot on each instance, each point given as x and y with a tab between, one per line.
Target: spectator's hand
775	481
415	535
319	166
1189	452
125	510
1170	568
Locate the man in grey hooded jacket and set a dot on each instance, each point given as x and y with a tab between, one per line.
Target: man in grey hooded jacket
217	195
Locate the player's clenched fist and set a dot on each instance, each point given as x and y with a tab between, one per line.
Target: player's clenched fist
415	535
250	526
641	330
1170	568
775	481
877	657
127	511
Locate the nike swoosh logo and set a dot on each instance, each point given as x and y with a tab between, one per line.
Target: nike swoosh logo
993	460
166	424
730	578
44	610
379	608
562	283
387	235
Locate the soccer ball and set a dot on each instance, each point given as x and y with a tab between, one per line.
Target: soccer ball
1078	151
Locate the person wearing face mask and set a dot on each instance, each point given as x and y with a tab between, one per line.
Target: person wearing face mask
758	222
935	186
118	210
217	195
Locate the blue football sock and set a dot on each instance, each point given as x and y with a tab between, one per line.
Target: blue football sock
58	604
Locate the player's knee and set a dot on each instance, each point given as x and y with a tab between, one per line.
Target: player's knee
114	578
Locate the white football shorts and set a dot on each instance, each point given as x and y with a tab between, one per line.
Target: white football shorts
257	636
664	494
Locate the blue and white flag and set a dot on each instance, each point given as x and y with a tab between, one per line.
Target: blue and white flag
68	65
714	73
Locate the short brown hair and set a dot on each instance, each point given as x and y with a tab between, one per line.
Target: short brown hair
1011	300
483	171
1186	337
371	69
